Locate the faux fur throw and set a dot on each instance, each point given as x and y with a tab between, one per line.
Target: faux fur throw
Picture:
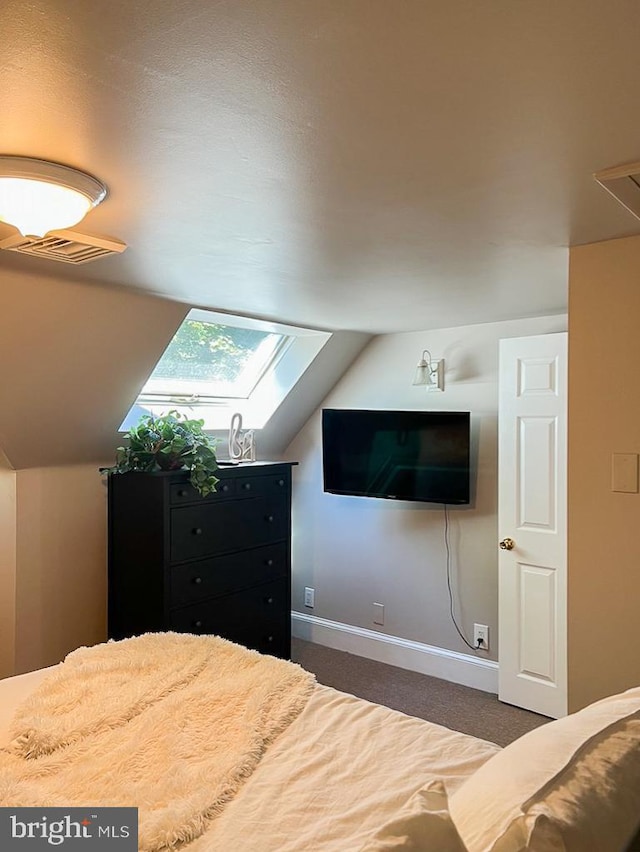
170	723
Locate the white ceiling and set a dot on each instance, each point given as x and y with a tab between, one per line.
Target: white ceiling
380	165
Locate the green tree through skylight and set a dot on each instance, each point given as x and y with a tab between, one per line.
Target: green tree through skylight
208	352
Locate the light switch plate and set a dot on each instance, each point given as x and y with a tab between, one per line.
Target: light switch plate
624	472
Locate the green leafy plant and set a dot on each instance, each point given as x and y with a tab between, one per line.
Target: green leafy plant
169	442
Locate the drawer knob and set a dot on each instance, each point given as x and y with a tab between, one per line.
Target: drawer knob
225	487
197	624
197	531
182	492
268	562
281	482
269	518
197	580
268	600
246	486
269	638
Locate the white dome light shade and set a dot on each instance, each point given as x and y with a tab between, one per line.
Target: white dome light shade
37	196
35	207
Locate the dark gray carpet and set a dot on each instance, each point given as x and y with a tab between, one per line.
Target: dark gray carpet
458	707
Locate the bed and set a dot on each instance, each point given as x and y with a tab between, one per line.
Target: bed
336	773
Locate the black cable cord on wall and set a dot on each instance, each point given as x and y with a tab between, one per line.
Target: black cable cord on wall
453	617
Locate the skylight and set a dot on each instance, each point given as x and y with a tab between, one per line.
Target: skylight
217	365
207	361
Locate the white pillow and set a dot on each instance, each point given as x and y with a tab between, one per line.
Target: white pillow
571	779
423	824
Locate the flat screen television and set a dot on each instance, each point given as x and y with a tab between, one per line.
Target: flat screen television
398	455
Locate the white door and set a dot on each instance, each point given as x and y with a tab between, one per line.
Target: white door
532	515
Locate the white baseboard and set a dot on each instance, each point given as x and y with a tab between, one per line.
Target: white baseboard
404	653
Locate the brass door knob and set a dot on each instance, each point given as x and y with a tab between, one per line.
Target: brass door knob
507	544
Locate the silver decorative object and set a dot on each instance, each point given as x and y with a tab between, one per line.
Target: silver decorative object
242	445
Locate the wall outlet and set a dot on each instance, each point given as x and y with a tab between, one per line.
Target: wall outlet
378	613
481	636
309	597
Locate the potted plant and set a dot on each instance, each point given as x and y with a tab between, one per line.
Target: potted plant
169	442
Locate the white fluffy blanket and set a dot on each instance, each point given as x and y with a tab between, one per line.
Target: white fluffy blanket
170	723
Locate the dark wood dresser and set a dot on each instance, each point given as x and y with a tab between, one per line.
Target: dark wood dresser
219	564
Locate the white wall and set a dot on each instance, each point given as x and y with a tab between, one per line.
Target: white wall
355	551
603	545
61	563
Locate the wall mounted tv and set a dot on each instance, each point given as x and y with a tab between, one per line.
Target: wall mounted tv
399	455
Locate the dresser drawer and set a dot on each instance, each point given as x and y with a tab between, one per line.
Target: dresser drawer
232	483
207	529
254	486
184	492
193	581
258	618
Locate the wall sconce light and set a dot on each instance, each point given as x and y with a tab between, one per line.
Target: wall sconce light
38	196
429	373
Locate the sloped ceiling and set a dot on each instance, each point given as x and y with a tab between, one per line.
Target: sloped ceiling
73	358
345	164
363	166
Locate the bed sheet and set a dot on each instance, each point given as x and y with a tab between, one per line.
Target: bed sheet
336	774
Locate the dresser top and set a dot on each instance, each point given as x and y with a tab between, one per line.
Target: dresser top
247	464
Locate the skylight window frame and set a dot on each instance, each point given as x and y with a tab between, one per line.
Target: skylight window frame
298	350
198	398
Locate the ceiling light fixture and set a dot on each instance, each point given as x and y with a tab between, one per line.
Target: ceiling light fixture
38	196
429	373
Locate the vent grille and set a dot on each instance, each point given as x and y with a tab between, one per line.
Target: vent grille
623	182
64	246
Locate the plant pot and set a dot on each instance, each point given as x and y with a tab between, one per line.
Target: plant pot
169	462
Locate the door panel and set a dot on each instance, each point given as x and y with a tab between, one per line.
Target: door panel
537	601
532	511
536	456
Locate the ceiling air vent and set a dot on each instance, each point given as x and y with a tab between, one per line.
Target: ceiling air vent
623	182
65	246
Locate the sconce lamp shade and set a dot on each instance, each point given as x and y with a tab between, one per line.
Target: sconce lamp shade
423	374
429	373
38	196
